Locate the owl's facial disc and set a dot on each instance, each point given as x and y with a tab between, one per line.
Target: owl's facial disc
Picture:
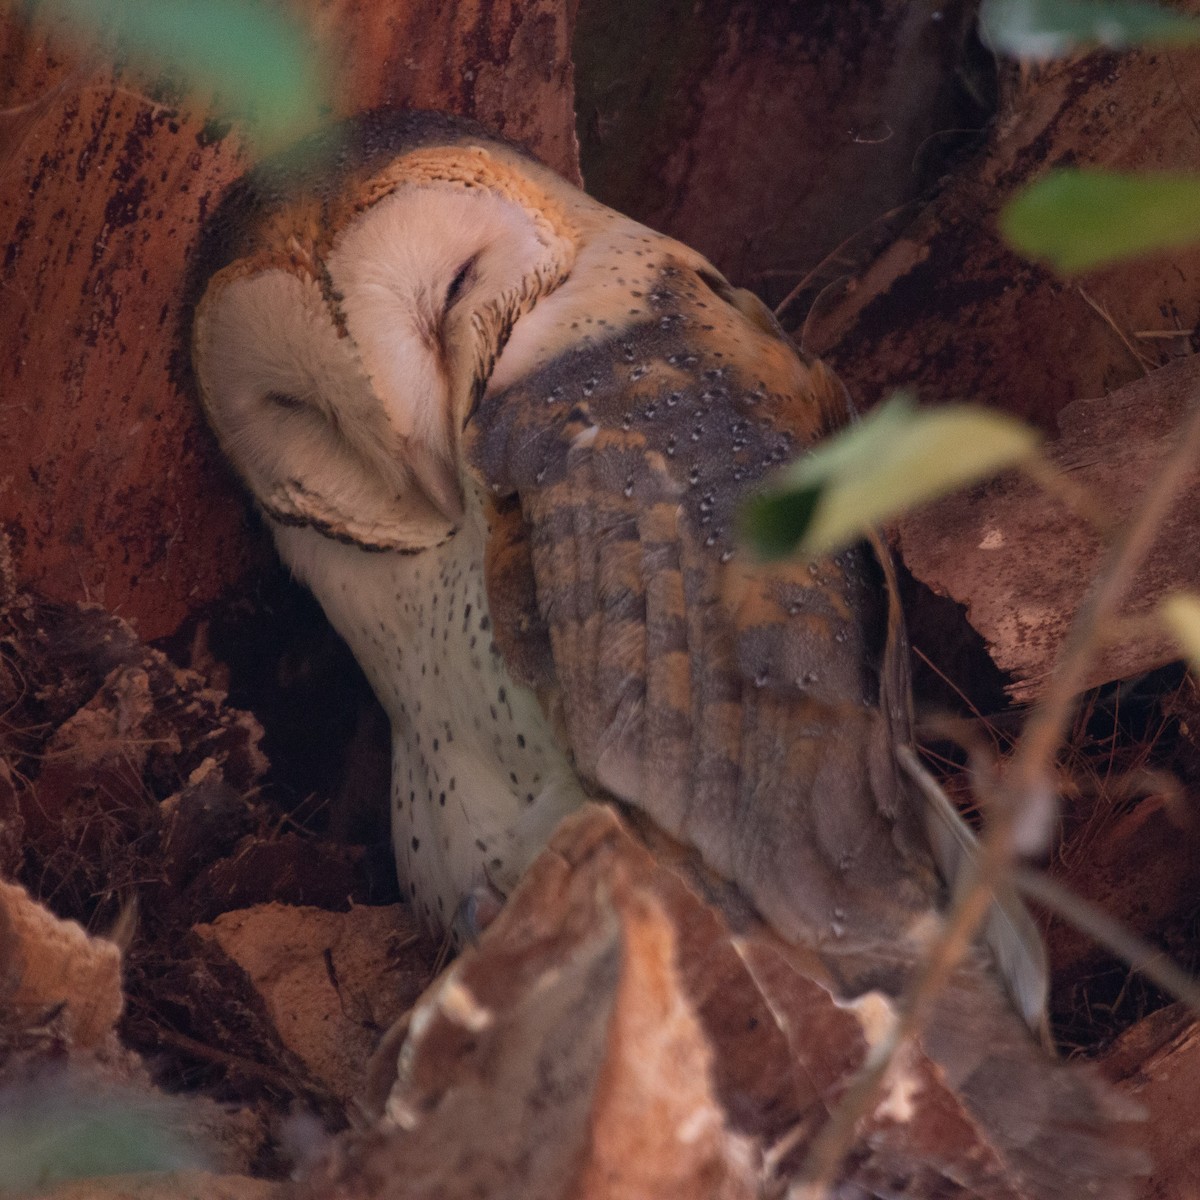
339	388
297	415
428	282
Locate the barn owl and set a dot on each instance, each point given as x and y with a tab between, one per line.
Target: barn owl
501	432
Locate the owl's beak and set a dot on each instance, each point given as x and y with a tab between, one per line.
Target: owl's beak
419	465
437	479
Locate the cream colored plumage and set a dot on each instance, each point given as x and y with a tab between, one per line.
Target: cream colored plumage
337	419
501	431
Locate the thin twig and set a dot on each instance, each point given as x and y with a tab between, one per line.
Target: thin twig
1113	935
235	1062
1048	722
1102	312
954	687
1025	780
835	255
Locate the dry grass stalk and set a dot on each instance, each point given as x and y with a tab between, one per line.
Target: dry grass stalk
1010	801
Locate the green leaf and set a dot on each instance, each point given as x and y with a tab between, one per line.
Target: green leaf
1044	29
61	1127
259	63
1181	614
1079	219
896	458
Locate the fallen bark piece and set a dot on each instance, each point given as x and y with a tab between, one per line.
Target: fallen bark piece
560	1059
54	975
1021	562
611	1035
329	982
1157	1064
129	794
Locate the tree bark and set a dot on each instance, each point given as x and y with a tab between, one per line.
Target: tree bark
765	135
949	309
1021	562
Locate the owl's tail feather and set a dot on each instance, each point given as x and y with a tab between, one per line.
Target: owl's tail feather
1009	931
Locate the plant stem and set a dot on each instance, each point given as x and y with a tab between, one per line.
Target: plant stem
1027	774
1138	953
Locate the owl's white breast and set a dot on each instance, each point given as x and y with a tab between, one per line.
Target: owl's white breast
477	781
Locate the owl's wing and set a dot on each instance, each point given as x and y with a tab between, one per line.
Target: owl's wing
738	706
752	712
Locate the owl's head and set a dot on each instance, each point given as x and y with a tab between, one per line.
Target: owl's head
356	303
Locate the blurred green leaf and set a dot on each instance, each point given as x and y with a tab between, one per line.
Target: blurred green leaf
61	1127
260	64
896	458
1079	219
1181	613
1044	29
